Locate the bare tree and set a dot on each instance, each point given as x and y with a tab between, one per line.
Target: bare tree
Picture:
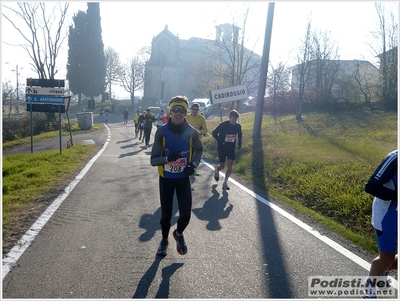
200	75
301	72
44	32
277	83
132	78
234	64
386	37
114	69
8	93
346	88
364	81
325	57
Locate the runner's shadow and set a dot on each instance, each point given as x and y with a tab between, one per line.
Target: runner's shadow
214	209
128	146
166	273
123	141
128	154
143	286
151	222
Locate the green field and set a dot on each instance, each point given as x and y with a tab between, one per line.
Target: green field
318	166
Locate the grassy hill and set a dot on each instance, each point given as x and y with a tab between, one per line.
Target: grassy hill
318	166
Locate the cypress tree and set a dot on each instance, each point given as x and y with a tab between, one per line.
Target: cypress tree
76	63
95	67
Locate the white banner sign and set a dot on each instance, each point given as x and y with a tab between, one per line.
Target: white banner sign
44	91
229	94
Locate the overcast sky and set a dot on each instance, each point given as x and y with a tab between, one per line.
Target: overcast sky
129	25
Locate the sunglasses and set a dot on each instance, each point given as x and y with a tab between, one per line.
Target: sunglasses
180	110
194	109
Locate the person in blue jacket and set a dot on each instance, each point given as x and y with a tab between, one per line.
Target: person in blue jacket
383	186
177	151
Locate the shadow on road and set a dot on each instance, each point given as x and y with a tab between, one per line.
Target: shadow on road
129	154
124	141
148	277
276	280
151	222
214	209
166	273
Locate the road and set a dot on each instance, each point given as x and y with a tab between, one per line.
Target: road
101	240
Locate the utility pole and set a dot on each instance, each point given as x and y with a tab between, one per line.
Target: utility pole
17	91
263	72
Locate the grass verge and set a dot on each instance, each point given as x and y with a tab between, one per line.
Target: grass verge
30	182
318	166
64	132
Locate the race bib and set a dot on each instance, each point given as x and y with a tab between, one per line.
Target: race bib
230	138
176	166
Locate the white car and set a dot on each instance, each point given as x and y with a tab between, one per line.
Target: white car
154	110
249	103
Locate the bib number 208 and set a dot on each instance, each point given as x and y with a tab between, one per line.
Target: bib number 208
175	168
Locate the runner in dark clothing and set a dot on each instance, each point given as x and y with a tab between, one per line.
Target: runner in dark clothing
148	119
141	127
177	150
126	114
225	134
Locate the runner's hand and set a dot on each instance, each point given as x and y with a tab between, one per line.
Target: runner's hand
188	170
239	146
174	156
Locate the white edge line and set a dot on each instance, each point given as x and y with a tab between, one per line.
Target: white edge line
361	262
23	243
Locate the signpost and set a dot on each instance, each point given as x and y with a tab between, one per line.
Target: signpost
44	91
45	95
45	99
228	94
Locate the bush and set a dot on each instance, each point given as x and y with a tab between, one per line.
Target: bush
18	128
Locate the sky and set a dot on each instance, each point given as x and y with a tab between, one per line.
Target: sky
127	26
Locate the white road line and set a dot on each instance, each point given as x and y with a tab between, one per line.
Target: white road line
361	262
15	253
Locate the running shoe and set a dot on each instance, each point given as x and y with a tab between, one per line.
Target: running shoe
225	186
180	243
196	173
216	174
162	249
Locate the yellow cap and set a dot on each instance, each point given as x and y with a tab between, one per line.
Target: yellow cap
179	101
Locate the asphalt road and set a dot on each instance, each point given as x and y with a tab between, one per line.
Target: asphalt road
102	239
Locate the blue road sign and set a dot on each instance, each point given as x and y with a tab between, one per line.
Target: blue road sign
47	99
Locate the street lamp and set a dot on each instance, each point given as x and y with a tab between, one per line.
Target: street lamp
17	89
